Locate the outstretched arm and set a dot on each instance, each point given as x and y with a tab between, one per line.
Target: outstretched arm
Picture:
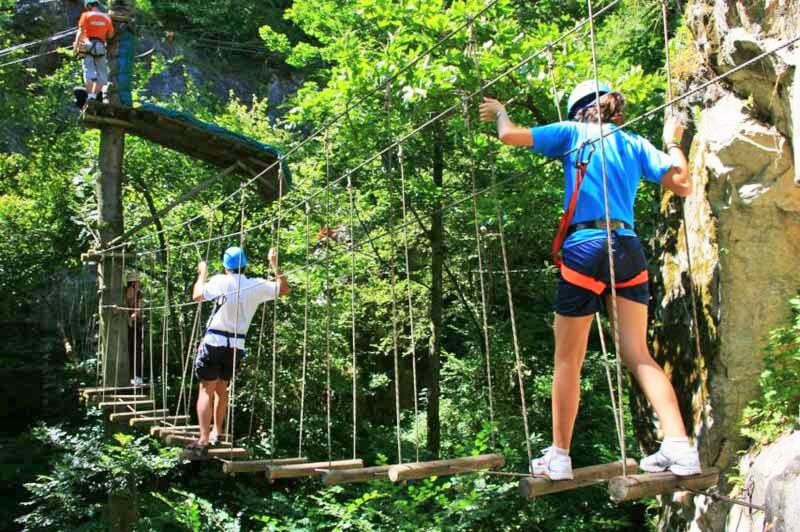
283	284
200	284
678	178
508	132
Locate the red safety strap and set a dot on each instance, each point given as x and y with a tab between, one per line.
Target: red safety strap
598	287
566	219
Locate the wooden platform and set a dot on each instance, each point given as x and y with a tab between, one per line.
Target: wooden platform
438	468
651	484
232	467
532	487
186	439
127	416
350	476
314	469
87	393
157	430
218	147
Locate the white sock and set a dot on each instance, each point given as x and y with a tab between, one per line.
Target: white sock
92	96
676	443
559	451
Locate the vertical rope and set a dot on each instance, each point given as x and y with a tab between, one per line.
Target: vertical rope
692	288
614	310
151	291
388	170
409	293
606	365
351	199
275	317
105	340
487	348
230	431
305	335
118	354
328	300
165	315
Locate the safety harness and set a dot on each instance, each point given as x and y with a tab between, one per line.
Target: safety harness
564	229
221	300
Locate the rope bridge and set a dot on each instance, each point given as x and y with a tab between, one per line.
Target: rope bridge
137	404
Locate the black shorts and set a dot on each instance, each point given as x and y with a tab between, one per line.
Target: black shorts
214	362
591	258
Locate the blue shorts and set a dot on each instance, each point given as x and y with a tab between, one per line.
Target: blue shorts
591	258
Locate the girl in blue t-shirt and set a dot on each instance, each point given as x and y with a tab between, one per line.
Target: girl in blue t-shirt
584	281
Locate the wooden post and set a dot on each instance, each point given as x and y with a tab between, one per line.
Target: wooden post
113	325
585	476
440	468
651	484
313	469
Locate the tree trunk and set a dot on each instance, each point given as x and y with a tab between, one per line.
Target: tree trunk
437	262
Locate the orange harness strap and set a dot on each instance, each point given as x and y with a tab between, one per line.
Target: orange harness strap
598	287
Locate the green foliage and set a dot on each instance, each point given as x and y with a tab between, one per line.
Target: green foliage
777	410
85	470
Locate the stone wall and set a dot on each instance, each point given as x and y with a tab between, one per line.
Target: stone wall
743	221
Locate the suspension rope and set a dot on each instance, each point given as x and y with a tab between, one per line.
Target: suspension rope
328	301
409	293
150	329
305	337
692	288
609	243
351	199
118	355
165	326
472	51
275	320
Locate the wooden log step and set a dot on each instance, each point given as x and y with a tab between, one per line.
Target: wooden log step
438	468
185	439
158	429
120	404
125	416
651	484
99	390
151	420
314	469
116	397
257	466
532	487
229	454
349	476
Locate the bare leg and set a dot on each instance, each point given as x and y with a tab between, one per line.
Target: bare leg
572	334
649	375
221	408
205	407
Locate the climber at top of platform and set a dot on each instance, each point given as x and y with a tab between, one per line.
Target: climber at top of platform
581	251
95	28
236	298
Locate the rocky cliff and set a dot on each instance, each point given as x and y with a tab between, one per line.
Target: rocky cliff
743	221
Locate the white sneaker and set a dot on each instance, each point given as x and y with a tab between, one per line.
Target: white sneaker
137	381
679	458
553	464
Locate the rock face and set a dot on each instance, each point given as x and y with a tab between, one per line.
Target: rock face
772	480
742	224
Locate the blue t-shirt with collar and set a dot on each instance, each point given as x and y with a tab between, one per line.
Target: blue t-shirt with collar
629	157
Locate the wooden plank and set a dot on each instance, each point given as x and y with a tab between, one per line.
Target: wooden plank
153	419
99	389
313	469
532	487
228	454
126	416
117	404
257	466
186	439
651	484
438	468
156	430
108	398
349	476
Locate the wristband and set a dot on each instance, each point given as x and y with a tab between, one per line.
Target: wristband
671	145
499	114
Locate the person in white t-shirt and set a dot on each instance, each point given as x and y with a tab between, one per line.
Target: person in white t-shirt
236	298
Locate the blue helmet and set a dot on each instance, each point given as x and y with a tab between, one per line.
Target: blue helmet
234	258
584	95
